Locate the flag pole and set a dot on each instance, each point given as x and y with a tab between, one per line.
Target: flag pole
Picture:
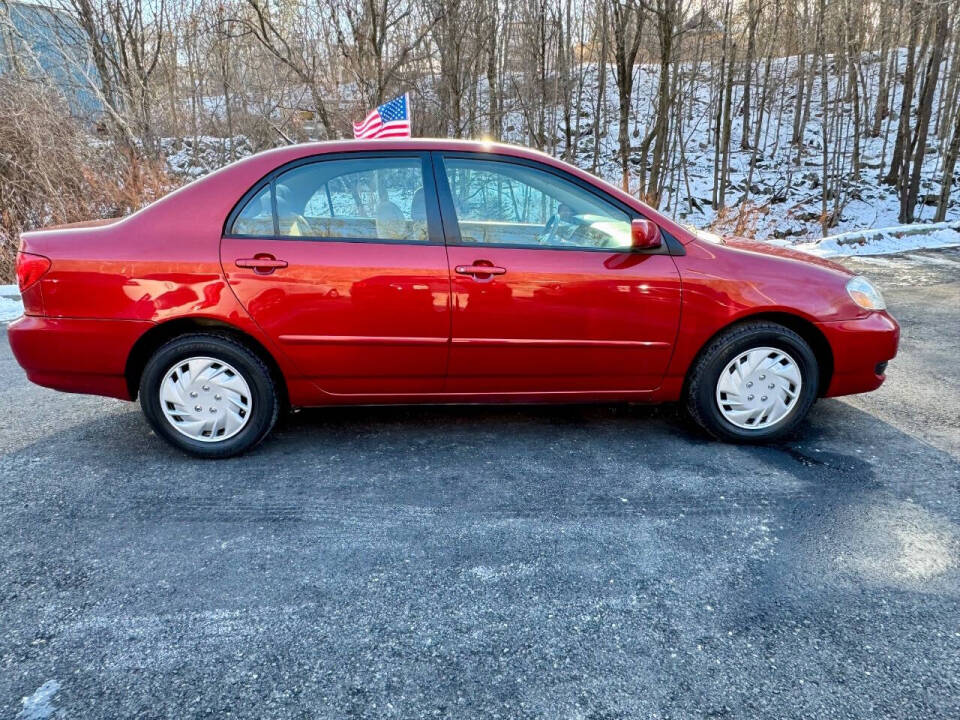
406	100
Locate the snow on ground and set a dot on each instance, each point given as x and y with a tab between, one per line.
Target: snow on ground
780	199
192	157
10	309
10	306
883	241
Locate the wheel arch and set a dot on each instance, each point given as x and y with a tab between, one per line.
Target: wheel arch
155	337
802	326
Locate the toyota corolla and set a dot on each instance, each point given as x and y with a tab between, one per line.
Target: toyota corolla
432	271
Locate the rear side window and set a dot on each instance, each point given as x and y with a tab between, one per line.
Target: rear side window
256	218
360	198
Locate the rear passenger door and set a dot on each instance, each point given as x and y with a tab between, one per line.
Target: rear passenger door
340	260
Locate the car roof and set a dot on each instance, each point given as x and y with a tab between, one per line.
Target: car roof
247	171
283	154
443	144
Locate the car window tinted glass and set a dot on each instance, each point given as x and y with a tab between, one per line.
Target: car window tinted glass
256	218
506	203
375	198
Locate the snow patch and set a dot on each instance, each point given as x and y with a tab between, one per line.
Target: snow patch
884	241
10	308
193	157
898	544
39	706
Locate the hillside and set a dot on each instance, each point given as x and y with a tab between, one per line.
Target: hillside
785	198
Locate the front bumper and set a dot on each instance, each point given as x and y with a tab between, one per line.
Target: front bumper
76	355
861	350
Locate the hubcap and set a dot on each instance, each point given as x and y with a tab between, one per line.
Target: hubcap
205	399
758	388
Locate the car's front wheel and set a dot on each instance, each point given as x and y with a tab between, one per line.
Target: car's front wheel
754	382
209	395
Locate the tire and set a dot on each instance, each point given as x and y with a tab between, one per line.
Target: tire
735	351
228	380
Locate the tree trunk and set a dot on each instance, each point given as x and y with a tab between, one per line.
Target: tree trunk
883	86
598	110
665	24
853	24
924	112
727	121
906	100
803	89
753	17
626	47
949	163
825	220
493	124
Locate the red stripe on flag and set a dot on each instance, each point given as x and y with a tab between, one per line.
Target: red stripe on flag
372	115
399	128
371	124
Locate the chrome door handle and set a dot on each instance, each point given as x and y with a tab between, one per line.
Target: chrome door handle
480	270
263	264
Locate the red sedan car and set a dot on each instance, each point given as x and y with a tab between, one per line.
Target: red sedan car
432	271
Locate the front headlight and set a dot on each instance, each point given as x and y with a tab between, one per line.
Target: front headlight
864	294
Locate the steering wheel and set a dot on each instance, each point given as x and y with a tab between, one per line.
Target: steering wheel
552	234
549	236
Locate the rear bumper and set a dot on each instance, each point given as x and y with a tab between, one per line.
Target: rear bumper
76	355
861	350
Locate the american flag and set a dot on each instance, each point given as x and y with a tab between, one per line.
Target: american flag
392	119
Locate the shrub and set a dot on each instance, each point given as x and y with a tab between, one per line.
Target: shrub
55	171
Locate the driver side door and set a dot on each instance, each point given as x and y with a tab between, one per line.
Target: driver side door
547	296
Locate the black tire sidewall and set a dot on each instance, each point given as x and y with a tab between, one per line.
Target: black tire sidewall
724	349
255	373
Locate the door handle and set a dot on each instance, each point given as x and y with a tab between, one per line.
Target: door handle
477	269
263	263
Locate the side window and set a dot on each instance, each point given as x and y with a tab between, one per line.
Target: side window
375	198
256	218
507	203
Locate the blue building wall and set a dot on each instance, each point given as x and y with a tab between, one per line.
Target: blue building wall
40	37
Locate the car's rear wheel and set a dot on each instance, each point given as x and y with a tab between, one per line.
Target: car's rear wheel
754	382
209	395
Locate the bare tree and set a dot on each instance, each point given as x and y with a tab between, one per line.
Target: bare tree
908	198
949	163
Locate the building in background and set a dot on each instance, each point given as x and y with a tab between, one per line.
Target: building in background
46	45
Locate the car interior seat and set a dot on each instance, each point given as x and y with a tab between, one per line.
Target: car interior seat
391	224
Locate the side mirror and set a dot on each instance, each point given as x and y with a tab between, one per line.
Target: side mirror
644	234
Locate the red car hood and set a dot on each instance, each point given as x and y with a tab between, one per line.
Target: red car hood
777	251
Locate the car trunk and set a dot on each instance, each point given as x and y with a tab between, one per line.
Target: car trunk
62	245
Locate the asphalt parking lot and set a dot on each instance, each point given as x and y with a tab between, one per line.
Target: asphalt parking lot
564	562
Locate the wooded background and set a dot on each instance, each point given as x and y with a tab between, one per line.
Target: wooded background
720	112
